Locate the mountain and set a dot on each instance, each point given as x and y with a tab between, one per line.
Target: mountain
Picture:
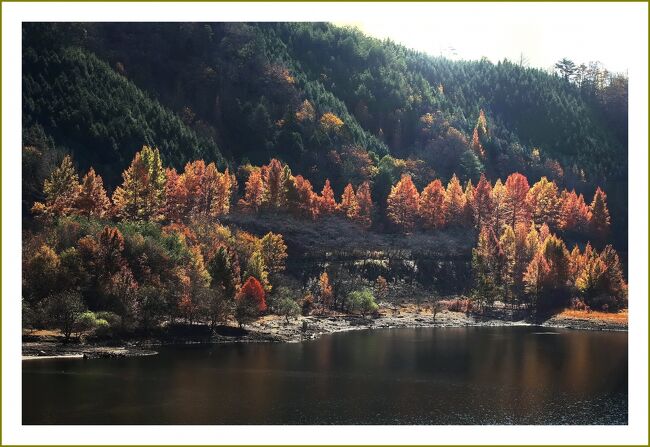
330	101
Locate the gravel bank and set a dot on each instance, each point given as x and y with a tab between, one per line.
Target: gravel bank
275	329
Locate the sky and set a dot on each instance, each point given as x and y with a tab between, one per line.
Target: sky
542	33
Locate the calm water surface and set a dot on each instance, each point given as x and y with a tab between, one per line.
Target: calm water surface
507	375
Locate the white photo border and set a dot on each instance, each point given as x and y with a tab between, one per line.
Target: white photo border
13	14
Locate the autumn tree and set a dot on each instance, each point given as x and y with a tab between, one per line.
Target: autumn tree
403	204
305	112
349	205
110	247
208	190
381	288
508	251
484	267
576	262
574	212
476	145
499	216
274	252
531	244
254	191
302	199
454	203
330	123
176	197
141	195
226	184
364	203
325	288
258	269
599	220
432	205
479	135
274	181
250	301
41	273
482	205
92	200
600	280
554	287
614	281
515	205
544	203
535	276
61	190
215	192
468	210
327	202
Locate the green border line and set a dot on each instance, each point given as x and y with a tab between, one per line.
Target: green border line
292	1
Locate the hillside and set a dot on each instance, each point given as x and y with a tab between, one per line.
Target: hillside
330	101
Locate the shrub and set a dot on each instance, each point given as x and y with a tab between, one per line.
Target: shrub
363	301
86	321
288	308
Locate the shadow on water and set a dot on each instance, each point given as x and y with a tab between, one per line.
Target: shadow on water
480	375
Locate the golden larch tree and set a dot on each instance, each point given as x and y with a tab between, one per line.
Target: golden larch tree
432	205
403	204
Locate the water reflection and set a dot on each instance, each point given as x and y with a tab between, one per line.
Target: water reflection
518	375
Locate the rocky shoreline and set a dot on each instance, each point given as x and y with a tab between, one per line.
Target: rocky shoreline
275	329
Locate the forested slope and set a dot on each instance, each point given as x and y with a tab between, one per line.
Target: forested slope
330	101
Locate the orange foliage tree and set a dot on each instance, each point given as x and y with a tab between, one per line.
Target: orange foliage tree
515	205
432	201
349	205
454	203
403	203
364	202
327	202
482	204
250	301
92	200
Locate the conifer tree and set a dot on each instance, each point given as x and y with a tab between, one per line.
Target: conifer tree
454	203
61	190
92	200
349	205
432	205
141	195
574	212
274	181
364	202
544	203
498	217
327	202
254	191
482	203
515	205
176	200
599	220
403	204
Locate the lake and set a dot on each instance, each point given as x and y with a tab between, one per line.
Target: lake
475	375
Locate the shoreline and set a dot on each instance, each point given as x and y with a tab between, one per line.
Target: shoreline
274	329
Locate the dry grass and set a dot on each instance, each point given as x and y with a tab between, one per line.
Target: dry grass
614	317
42	332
